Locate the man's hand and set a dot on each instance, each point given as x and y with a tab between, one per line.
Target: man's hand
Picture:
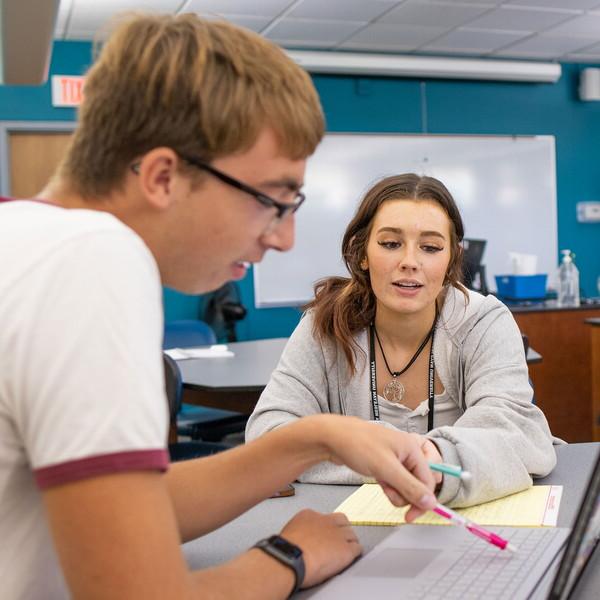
328	543
432	454
393	458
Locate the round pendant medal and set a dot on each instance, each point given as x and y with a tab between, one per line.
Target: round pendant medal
393	391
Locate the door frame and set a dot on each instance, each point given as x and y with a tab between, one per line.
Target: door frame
8	127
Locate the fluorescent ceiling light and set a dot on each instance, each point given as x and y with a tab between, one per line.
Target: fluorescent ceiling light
354	63
26	32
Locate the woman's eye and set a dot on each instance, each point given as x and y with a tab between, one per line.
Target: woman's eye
431	249
389	244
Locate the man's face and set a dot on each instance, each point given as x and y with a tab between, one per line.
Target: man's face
220	229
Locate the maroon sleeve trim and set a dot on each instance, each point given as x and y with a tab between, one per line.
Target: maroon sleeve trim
103	464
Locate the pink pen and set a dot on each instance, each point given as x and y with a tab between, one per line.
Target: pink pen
479	531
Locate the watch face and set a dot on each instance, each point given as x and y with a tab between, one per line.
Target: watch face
285	547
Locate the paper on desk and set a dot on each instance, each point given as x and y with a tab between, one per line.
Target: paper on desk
214	351
536	507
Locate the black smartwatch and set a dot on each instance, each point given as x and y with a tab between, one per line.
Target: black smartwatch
287	554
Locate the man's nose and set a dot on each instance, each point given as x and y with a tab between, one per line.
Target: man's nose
280	235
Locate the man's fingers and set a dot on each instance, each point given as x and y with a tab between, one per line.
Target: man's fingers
413	491
417	464
413	513
394	497
340	519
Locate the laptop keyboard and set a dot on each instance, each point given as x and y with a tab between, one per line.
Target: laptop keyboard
484	571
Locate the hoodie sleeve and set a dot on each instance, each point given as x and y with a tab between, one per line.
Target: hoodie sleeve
502	438
299	387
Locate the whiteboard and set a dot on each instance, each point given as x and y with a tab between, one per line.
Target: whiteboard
505	188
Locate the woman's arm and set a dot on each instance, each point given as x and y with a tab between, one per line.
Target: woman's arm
300	387
502	438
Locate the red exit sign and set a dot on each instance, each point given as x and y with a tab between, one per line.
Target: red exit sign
67	90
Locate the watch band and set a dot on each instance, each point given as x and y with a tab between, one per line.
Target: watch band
286	553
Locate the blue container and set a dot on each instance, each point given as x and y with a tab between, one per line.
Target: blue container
521	287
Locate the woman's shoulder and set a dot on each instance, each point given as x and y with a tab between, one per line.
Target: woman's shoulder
307	334
461	312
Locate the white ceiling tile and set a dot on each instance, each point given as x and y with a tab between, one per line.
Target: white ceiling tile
593	49
89	16
585	25
519	19
379	36
583	58
486	3
477	41
328	33
255	8
565	4
256	24
64	12
343	10
544	46
433	14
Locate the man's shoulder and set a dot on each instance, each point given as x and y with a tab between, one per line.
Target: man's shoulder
41	239
22	218
33	229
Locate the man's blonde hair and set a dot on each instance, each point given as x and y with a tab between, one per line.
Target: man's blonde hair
203	88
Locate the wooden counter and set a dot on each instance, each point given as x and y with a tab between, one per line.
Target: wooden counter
595	367
563	380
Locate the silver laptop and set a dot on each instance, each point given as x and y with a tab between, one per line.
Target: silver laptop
418	561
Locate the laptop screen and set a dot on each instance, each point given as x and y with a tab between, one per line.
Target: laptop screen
582	541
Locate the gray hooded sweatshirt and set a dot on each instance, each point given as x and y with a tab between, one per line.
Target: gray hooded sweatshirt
496	433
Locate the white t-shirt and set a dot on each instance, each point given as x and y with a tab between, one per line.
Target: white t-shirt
81	375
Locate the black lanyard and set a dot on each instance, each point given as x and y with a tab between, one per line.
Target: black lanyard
373	373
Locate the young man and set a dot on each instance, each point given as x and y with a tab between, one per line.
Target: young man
186	165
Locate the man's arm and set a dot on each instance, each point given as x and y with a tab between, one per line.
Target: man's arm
116	538
201	489
117	535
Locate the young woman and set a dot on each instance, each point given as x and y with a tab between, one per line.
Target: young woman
403	342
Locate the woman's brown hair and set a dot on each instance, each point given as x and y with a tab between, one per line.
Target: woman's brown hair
345	305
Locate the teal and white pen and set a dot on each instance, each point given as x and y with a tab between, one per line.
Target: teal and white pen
453	470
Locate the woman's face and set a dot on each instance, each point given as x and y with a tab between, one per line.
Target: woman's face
408	253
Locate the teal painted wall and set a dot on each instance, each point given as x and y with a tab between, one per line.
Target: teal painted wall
34	102
396	105
457	107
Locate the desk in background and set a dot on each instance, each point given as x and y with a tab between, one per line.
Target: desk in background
235	383
574	466
563	380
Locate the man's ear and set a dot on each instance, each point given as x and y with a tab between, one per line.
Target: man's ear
157	176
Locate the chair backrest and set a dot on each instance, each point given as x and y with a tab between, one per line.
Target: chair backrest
525	343
187	333
173	386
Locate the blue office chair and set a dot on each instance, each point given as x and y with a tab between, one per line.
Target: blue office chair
174	387
187	333
198	422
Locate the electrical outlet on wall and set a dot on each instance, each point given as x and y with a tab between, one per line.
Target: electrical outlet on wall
588	212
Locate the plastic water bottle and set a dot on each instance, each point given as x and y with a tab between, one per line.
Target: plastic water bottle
568	281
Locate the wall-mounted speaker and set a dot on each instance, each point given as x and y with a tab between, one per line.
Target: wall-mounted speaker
589	84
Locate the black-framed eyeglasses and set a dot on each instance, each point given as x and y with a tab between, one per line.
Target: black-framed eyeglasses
283	209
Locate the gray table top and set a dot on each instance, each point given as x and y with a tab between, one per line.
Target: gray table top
575	462
249	369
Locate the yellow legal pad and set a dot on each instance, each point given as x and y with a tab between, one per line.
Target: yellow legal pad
536	507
